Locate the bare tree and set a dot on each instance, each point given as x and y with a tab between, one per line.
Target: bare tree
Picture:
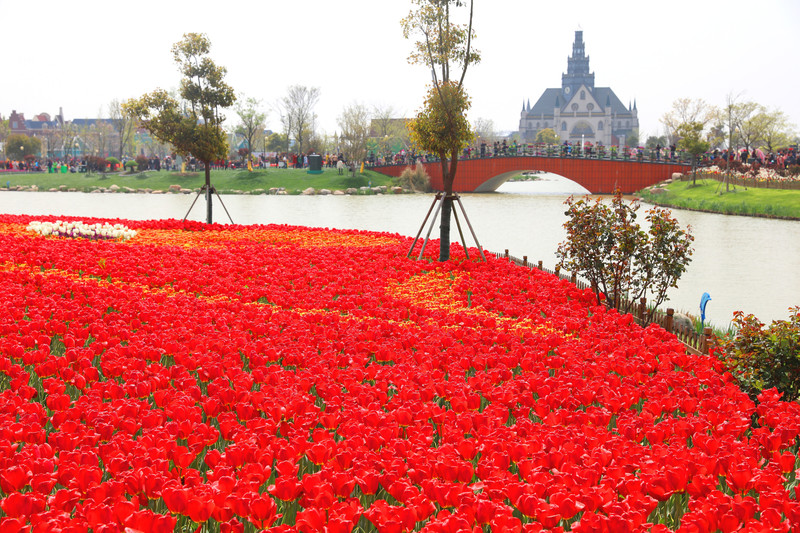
297	113
251	120
687	111
124	124
777	132
484	130
748	125
355	125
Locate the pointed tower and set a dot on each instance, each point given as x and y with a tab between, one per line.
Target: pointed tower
577	69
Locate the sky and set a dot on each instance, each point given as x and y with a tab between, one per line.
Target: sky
81	55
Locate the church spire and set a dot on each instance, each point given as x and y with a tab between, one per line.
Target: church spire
577	68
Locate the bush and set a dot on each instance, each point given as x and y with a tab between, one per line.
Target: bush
142	162
112	161
762	358
96	164
130	165
415	179
621	261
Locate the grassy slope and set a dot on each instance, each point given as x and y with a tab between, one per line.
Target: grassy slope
710	195
224	180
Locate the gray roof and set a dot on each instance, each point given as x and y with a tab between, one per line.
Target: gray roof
551	98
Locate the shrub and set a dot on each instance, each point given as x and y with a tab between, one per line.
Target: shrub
130	165
621	261
96	164
415	179
762	358
142	162
112	161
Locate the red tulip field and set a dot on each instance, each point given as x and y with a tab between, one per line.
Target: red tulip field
178	376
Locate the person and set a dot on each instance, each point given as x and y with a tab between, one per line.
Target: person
658	151
340	167
672	151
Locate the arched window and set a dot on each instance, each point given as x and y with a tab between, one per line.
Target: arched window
545	123
599	126
627	123
583	95
563	126
537	125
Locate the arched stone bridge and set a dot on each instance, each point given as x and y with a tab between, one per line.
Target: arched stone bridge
599	176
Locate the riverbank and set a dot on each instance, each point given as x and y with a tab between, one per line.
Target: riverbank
272	181
711	196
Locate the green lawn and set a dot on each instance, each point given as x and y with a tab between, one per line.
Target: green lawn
225	181
710	195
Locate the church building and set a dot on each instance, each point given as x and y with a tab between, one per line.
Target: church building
579	111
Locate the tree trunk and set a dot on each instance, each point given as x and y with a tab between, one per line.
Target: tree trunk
208	193
448	177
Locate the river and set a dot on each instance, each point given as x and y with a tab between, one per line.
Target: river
744	263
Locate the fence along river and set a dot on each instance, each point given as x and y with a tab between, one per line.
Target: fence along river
744	263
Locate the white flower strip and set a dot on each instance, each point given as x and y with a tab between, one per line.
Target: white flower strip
79	230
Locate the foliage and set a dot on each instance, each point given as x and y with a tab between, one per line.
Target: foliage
686	110
277	142
762	358
691	140
131	164
441	126
251	121
297	114
112	161
142	162
547	136
194	127
632	138
18	145
621	261
442	43
653	141
415	179
96	164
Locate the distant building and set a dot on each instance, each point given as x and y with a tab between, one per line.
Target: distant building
579	110
62	138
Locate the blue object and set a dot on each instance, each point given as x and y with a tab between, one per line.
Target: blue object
703	301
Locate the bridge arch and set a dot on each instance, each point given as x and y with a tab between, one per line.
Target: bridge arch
599	176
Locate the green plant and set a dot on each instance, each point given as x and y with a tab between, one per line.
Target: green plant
131	165
415	179
765	357
622	262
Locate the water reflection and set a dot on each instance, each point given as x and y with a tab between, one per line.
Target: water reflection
744	263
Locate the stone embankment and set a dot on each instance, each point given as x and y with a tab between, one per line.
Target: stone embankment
177	189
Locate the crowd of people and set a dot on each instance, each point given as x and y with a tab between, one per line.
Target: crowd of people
782	159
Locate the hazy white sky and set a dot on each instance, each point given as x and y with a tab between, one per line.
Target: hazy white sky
81	54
